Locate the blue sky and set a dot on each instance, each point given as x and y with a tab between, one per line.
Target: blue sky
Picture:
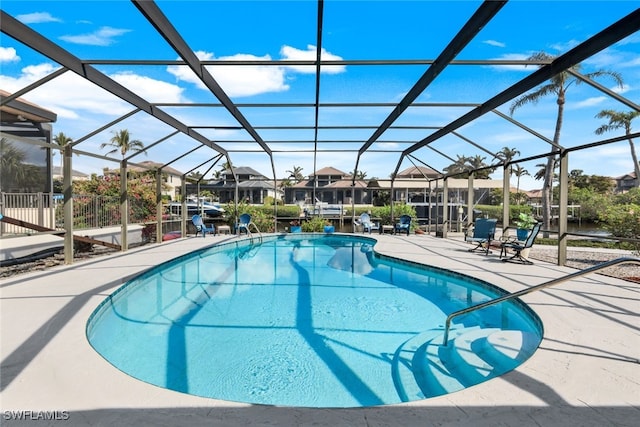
351	30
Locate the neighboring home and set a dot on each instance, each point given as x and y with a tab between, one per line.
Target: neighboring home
416	185
535	196
328	185
75	175
418	172
626	182
253	187
172	177
422	185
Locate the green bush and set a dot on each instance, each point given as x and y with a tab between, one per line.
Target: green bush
384	213
261	216
315	224
492	211
622	220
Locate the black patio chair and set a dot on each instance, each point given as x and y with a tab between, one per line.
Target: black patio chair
518	247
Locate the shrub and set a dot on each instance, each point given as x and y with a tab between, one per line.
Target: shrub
622	220
384	213
315	224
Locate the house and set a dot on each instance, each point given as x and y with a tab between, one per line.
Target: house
421	185
418	172
75	175
253	187
328	185
415	185
535	196
172	178
626	182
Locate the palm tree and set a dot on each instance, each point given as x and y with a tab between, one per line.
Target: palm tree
506	155
285	183
460	165
62	140
123	143
296	174
617	120
194	176
518	171
359	174
12	166
477	162
226	166
557	86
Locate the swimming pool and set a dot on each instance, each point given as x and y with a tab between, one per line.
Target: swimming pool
308	320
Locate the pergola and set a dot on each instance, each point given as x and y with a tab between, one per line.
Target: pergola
311	137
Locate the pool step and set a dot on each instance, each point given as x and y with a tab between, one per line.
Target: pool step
402	367
466	360
424	368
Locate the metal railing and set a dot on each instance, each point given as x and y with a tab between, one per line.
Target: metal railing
46	210
623	260
250	234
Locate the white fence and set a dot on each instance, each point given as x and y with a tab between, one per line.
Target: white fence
46	210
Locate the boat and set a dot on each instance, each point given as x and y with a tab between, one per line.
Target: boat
203	208
325	210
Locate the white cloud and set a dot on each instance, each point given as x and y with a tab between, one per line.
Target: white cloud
37	18
509	137
29	74
565	46
71	96
150	89
8	54
514	57
291	53
388	145
104	36
590	102
236	80
620	90
494	43
613	160
243	80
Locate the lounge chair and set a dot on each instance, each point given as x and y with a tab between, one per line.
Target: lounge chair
365	222
518	247
201	227
484	231
403	225
243	223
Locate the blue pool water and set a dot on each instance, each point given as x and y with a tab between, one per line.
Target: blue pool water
307	320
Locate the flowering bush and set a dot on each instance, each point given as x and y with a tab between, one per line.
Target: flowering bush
97	201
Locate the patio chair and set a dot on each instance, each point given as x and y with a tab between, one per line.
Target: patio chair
403	225
519	247
484	231
365	222
201	227
243	223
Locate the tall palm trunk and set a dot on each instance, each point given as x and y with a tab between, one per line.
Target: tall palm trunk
547	188
547	192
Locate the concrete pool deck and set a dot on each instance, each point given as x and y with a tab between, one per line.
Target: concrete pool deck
585	373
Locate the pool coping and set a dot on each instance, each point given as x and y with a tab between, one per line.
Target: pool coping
585	371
